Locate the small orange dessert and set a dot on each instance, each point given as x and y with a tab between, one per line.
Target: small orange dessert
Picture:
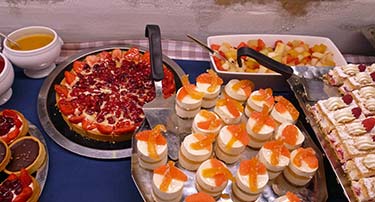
212	177
168	183
260	127
251	178
302	167
239	90
207	122
229	110
210	84
275	156
258	99
231	142
200	197
288	197
188	99
284	111
195	149
290	134
152	147
12	125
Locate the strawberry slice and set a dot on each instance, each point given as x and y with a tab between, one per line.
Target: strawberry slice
368	124
347	99
356	112
124	129
92	60
104	55
76	119
362	67
61	90
10	114
104	129
24	195
78	66
87	125
25	178
116	54
69	77
65	107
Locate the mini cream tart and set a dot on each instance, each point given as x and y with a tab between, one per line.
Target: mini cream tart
152	148
239	89
275	156
195	149
302	167
207	122
258	99
229	110
188	99
290	135
284	111
168	183
212	177
209	83
231	142
260	127
288	197
251	178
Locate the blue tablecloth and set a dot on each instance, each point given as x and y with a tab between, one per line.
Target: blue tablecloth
75	178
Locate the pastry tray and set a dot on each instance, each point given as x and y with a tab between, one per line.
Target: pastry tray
315	190
59	131
305	104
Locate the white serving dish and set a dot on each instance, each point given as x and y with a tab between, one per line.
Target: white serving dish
273	80
6	81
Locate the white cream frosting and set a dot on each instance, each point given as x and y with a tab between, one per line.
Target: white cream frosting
223	139
256	105
343	115
369	161
304	169
370	104
208	183
203	87
194	154
282	117
355	128
239	95
363	78
243	182
142	147
364	142
265	157
350	69
264	133
367	92
199	118
300	136
226	116
174	189
334	103
188	102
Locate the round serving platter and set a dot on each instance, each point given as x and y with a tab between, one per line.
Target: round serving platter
59	131
41	174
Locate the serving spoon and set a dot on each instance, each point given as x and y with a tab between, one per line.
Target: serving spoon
11	40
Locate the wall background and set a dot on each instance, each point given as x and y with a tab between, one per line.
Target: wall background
92	20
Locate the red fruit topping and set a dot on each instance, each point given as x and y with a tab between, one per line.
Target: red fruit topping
69	77
65	107
61	90
218	171
347	99
169	172
356	112
307	155
78	66
253	168
76	119
24	195
362	67
368	124
25	178
292	197
373	76
105	129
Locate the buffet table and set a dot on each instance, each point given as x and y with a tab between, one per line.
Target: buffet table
75	178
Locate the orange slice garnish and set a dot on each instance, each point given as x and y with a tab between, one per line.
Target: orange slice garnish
200	197
238	133
292	197
211	122
246	85
262	118
190	88
265	95
211	78
204	142
307	155
277	148
284	105
234	107
170	172
289	134
153	138
253	168
218	171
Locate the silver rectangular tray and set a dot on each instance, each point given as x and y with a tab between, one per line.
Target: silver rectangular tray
316	190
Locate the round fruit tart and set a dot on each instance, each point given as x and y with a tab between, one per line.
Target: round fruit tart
12	125
102	96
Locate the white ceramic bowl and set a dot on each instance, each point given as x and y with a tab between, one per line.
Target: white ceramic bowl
36	63
6	80
273	80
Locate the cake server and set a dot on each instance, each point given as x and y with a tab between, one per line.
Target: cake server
309	77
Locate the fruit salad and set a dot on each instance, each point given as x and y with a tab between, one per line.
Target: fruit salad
294	53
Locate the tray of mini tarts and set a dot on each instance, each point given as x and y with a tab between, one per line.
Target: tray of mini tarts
28	152
315	190
53	123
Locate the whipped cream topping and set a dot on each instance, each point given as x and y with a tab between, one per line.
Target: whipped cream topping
367	92
364	143
371	68
267	154
369	161
173	187
343	115
334	103
350	69
262	180
203	87
370	104
355	128
363	78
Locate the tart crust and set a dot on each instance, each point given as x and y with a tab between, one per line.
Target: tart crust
36	191
7	155
38	162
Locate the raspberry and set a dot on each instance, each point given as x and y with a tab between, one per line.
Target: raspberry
356	112
362	67
373	76
347	99
368	124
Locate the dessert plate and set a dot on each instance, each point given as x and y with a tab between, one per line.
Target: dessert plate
316	190
59	131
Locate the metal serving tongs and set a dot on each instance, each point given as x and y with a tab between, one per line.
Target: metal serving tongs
310	77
